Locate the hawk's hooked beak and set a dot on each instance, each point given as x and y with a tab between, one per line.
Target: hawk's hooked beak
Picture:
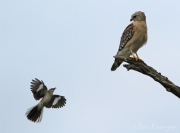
54	88
131	19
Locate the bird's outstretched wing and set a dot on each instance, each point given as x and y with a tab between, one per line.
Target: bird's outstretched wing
56	101
38	88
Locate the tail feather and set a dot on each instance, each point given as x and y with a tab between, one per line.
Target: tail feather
116	64
35	114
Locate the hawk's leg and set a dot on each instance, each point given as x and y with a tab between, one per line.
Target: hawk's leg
133	55
139	58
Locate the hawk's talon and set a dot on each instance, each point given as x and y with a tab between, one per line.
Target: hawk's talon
135	56
139	58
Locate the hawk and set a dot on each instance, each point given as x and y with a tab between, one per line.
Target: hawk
48	100
133	38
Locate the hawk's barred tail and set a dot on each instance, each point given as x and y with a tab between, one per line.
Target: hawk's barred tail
116	64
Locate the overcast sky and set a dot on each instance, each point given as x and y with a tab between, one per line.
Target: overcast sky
70	45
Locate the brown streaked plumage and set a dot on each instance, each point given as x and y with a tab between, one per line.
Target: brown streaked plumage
133	37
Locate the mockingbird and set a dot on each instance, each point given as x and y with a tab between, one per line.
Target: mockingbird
48	100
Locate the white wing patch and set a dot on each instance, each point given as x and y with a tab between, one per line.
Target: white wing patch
40	87
56	100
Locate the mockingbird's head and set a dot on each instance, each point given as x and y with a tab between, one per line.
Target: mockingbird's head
51	90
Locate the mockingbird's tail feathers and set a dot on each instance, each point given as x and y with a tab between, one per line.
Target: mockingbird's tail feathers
35	114
116	64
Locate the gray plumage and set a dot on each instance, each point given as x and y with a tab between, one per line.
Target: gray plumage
48	100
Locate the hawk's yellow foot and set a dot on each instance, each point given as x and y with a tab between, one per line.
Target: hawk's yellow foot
133	55
139	58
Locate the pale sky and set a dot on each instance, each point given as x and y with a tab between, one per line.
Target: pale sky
70	45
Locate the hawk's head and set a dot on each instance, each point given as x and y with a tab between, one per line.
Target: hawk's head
138	16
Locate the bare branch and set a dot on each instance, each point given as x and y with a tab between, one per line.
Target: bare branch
143	68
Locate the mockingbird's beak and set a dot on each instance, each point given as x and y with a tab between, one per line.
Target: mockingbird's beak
53	88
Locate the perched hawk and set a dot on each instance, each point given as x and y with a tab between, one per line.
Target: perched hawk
48	100
133	37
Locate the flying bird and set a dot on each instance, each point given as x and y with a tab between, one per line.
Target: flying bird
48	100
133	38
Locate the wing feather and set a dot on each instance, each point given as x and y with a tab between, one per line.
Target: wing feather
38	88
126	36
56	101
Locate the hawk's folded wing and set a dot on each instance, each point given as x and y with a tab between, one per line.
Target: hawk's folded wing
38	88
126	36
56	101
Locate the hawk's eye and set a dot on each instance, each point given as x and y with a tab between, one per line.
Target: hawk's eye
134	16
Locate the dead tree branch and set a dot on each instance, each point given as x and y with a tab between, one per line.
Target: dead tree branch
143	68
